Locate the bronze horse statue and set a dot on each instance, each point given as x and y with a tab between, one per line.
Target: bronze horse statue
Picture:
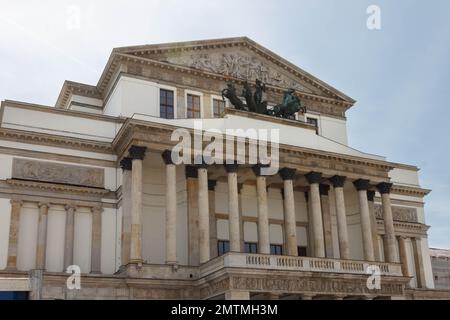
230	93
290	105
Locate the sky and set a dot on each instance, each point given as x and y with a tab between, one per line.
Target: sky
399	74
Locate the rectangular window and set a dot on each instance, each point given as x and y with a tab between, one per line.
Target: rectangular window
250	247
301	251
223	246
314	122
276	249
166	104
218	107
193	106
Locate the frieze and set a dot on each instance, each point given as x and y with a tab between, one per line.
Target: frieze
42	171
398	213
322	285
215	288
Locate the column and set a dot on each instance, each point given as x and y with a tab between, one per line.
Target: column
137	154
263	212
16	206
338	184
171	208
390	245
42	236
96	242
233	208
362	186
373	225
418	262
402	248
324	190
192	206
212	218
203	214
316	213
126	166
289	211
69	235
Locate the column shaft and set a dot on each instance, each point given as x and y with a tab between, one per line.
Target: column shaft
16	207
402	246
69	236
233	207
263	216
289	218
126	166
366	226
326	215
390	243
203	215
212	218
316	215
171	214
341	216
418	262
136	212
373	225
96	245
42	236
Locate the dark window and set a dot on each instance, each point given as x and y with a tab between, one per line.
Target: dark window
276	249
166	104
250	247
223	246
193	106
218	107
314	122
301	251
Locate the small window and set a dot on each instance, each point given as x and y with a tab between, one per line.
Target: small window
301	251
314	122
276	249
166	104
218	107
250	247
223	246
193	106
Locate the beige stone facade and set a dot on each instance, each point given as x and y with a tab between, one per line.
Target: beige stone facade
89	183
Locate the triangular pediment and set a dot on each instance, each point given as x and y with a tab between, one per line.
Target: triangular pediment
239	58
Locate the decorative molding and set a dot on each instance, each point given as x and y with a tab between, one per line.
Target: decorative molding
410	191
51	187
42	171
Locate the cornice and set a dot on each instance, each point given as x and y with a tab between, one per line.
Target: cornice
55	141
53	187
410	191
71	87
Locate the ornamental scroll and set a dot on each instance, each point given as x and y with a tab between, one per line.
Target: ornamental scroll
43	171
398	213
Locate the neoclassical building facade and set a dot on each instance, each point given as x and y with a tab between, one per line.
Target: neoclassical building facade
90	183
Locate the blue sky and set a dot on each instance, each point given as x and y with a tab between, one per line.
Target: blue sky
399	75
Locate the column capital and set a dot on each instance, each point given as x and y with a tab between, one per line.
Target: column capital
324	189
43	205
231	167
126	164
313	177
167	157
137	152
287	173
361	184
212	185
370	195
337	181
384	187
191	172
16	202
70	207
97	209
257	169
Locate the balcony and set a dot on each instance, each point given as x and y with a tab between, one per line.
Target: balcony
290	263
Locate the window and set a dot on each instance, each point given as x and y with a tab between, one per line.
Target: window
276	249
250	247
193	106
301	251
166	104
218	107
314	122
223	246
